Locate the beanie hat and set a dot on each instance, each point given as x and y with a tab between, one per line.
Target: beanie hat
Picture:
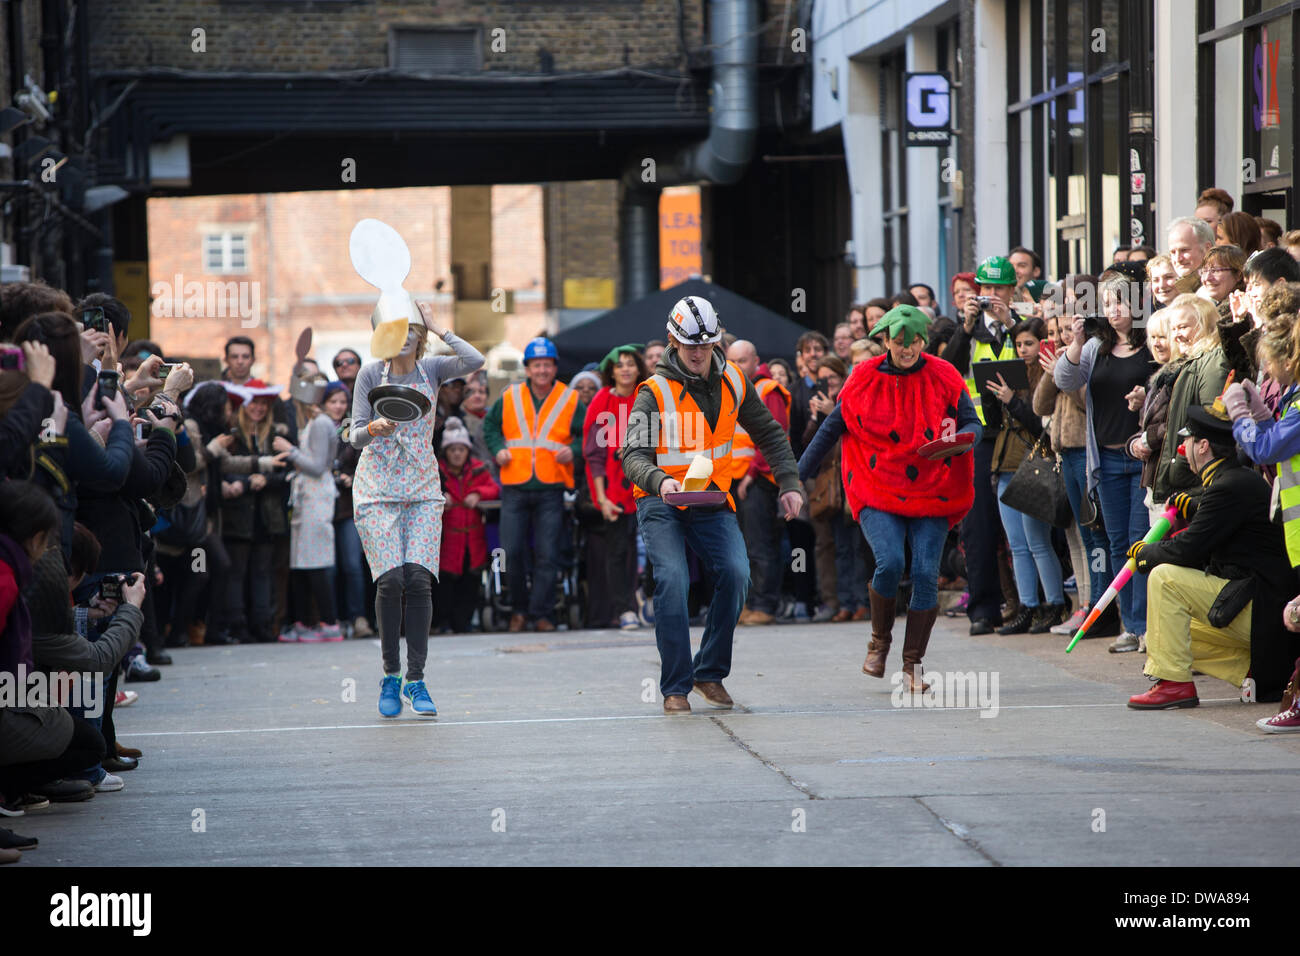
455	433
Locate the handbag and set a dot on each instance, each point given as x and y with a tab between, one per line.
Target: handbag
1090	512
1037	488
826	496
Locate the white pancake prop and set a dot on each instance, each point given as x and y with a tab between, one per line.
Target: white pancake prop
381	257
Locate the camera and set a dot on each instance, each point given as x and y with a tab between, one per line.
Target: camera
94	319
164	370
12	359
110	587
984	302
107	387
1092	325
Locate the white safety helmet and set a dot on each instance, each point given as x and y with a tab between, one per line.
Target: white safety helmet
694	322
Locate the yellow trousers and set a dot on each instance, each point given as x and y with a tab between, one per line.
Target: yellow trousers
1179	636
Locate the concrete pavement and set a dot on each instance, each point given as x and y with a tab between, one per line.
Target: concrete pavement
547	752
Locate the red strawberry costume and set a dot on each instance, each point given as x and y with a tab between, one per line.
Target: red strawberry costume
890	417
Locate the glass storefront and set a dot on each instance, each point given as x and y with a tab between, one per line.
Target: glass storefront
1079	129
1246	88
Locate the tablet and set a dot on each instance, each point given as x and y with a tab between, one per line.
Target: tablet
1013	371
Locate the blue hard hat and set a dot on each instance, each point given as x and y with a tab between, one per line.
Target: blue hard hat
540	348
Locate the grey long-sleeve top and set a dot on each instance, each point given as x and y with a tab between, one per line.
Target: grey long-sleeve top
439	368
315	456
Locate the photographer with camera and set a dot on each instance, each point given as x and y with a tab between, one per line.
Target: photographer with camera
58	639
984	336
1110	363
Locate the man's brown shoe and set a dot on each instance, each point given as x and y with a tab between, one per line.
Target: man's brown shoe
676	704
543	625
716	695
128	752
842	615
517	623
862	613
748	618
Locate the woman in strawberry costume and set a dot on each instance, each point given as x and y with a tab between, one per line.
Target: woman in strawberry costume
889	408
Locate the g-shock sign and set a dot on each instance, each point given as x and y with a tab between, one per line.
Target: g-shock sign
929	109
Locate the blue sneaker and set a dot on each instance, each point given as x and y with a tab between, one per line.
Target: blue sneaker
390	701
417	695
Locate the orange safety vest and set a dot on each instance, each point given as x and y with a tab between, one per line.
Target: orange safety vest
681	431
533	437
742	445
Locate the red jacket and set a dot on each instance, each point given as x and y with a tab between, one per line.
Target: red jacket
462	527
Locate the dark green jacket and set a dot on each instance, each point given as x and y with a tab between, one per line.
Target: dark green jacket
769	437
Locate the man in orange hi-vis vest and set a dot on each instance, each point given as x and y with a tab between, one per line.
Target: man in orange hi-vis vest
688	408
534	430
755	492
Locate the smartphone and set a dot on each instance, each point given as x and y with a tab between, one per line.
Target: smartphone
1092	326
1048	348
1022	308
107	387
94	319
12	359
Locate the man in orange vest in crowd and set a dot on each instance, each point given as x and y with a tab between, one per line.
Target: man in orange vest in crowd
689	408
756	492
534	431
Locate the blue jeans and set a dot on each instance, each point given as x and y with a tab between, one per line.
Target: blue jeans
542	510
1032	556
347	559
887	534
715	538
1127	520
1074	469
850	568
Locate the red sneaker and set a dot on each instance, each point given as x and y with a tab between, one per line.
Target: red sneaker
1287	722
1166	694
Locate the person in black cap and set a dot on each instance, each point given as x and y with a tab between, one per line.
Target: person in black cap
1215	592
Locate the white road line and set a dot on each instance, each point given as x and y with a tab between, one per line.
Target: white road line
444	722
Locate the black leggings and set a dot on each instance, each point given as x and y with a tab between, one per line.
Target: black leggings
85	749
415	583
313	583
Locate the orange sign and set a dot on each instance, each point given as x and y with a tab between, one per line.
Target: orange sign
679	235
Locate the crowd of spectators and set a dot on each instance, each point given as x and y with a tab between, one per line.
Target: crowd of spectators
144	511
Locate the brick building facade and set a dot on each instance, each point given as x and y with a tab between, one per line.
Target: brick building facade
269	265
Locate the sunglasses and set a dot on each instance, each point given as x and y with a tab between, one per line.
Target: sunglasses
346	361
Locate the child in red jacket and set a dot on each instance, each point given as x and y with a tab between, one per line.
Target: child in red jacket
465	482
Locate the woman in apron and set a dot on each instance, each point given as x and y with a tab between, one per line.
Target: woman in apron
397	501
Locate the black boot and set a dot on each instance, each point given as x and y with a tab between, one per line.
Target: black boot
1048	616
1021	622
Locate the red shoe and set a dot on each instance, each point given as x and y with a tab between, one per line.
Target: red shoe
1287	722
1166	694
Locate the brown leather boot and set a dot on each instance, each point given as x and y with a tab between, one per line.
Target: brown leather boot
919	626
882	633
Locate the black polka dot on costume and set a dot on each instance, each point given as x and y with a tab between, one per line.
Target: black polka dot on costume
901	497
947	462
872	461
912	472
951	411
894	436
929	434
626	482
943	497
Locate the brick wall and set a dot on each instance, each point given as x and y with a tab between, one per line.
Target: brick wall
581	234
578	34
134	34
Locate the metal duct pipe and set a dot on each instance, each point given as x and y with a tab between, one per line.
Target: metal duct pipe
638	227
721	158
